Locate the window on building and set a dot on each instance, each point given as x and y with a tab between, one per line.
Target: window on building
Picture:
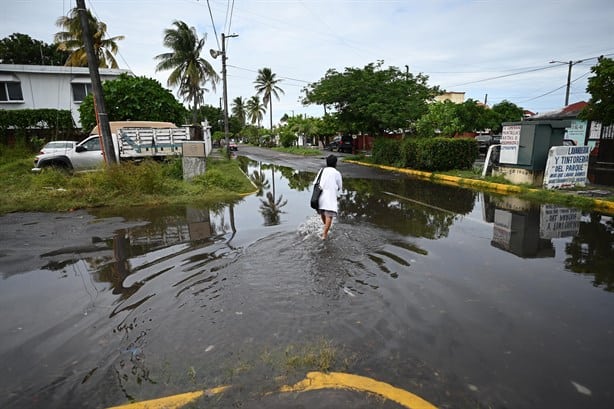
80	90
10	91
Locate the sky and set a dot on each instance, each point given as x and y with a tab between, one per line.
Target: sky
492	50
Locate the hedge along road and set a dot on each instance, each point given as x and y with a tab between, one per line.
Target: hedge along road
454	296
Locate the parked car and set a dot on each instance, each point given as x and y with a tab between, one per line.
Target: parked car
342	143
232	145
57	147
484	142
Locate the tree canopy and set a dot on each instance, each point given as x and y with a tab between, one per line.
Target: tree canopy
71	40
189	71
373	99
22	49
600	107
267	85
134	99
505	111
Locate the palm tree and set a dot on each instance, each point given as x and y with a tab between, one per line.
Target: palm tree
71	40
266	84
190	72
239	110
255	110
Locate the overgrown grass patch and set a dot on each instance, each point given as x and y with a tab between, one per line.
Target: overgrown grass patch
299	151
126	184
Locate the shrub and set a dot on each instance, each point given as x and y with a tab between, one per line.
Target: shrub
430	154
386	151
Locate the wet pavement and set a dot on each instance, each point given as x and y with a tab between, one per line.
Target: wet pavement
461	298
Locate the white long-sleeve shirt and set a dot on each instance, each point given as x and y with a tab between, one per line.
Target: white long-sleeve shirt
331	184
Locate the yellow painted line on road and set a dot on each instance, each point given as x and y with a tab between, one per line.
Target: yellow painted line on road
605	206
313	381
339	380
172	402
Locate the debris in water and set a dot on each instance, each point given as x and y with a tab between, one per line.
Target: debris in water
209	348
582	389
348	292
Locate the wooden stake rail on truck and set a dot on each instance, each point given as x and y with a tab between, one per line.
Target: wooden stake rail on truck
130	143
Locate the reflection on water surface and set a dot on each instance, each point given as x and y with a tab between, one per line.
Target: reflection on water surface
464	298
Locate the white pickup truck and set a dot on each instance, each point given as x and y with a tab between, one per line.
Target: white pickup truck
129	142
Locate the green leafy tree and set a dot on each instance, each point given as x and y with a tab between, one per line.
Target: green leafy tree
22	49
189	71
372	99
71	40
134	99
267	85
505	111
474	116
255	110
239	110
600	107
213	115
440	120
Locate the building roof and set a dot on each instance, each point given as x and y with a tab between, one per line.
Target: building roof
58	69
568	112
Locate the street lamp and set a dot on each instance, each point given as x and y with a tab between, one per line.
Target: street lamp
215	54
571	64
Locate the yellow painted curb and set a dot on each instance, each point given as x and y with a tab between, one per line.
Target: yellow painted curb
605	206
313	381
172	402
338	380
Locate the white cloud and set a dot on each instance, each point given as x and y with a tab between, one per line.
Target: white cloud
453	41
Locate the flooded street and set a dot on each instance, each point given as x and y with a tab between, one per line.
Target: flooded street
465	299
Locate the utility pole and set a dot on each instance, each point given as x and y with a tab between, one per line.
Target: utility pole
571	64
225	95
215	54
99	106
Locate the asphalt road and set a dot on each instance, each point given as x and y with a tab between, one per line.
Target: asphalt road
314	163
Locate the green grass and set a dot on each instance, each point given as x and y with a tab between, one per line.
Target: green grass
299	151
127	184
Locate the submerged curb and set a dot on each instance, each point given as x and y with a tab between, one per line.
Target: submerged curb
605	206
312	382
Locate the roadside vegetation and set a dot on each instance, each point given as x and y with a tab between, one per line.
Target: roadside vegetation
148	183
469	175
299	151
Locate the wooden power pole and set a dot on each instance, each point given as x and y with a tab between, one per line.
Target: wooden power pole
99	106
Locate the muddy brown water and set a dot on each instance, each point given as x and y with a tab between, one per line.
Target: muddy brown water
463	298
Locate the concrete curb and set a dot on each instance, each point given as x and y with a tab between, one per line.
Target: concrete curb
601	205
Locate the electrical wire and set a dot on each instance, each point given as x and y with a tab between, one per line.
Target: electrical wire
213	24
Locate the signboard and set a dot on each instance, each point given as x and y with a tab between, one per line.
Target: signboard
556	222
567	166
577	131
595	132
510	143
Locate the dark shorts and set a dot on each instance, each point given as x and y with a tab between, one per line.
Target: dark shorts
328	213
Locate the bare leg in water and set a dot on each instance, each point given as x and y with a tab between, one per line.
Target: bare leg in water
327	220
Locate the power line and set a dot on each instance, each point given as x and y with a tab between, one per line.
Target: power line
556	89
213	24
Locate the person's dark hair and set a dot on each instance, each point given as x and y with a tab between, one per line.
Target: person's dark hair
331	161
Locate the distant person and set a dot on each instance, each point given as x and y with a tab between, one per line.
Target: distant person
331	184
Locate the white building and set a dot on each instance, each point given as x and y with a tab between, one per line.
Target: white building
44	86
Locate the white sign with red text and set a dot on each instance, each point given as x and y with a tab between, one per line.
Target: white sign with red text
510	142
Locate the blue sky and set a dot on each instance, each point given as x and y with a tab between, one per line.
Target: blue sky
498	48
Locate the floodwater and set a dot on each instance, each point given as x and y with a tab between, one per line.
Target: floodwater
465	299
